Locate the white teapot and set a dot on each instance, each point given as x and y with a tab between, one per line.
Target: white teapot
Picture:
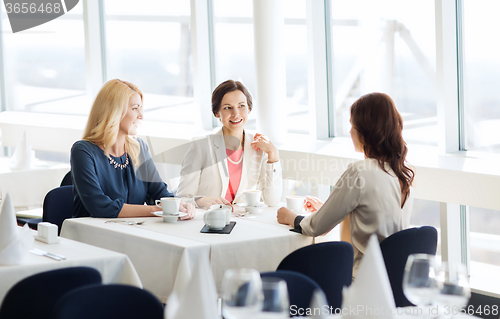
215	218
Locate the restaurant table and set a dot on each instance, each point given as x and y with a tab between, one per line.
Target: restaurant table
114	267
28	187
155	248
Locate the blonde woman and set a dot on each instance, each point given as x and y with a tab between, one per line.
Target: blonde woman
113	173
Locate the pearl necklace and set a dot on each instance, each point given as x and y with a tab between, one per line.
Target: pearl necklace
237	162
116	165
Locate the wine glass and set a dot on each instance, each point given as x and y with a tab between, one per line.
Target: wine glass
276	304
241	293
419	280
454	289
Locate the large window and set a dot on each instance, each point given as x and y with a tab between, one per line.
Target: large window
45	66
481	75
149	45
234	54
385	46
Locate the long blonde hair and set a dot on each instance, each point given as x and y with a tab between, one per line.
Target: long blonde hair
109	108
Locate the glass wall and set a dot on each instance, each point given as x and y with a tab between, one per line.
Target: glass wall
481	75
234	54
385	46
149	45
45	66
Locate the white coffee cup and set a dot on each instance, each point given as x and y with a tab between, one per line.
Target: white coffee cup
228	210
295	203
169	205
252	197
215	218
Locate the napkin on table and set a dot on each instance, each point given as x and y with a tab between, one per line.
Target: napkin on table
21	159
198	297
15	242
370	295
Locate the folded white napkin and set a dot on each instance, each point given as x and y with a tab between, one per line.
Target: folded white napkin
21	159
370	295
15	242
197	297
319	305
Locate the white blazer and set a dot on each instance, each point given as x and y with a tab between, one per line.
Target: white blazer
205	173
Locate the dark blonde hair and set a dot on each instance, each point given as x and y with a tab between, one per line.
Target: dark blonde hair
380	126
109	108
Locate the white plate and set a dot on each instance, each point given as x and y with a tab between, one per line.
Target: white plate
160	214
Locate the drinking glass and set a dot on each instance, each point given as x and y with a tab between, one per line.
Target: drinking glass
276	304
454	289
419	280
241	293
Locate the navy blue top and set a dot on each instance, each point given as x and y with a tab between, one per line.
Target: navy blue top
100	189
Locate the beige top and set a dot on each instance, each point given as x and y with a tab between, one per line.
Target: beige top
374	199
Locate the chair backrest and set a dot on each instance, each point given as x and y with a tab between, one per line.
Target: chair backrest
301	288
328	264
67	180
396	249
109	301
58	205
36	296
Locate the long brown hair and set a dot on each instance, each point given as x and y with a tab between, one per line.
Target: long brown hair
380	127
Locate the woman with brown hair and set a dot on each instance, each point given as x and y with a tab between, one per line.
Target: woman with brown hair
218	168
373	195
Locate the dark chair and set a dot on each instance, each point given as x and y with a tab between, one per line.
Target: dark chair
108	301
33	222
36	296
396	249
328	264
58	205
67	180
300	287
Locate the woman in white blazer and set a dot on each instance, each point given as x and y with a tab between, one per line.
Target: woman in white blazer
218	168
373	196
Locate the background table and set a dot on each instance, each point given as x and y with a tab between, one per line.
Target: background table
29	187
114	267
156	248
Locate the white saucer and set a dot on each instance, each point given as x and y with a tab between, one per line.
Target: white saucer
160	214
254	209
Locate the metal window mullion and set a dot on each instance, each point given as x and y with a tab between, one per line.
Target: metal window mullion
102	37
211	50
3	102
460	75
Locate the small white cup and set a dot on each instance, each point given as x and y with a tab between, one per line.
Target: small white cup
295	203
215	218
228	210
169	205
252	197
47	232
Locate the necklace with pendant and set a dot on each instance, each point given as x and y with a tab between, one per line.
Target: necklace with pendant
116	165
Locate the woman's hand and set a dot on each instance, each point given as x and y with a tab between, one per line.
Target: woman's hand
187	208
286	216
208	201
262	142
312	204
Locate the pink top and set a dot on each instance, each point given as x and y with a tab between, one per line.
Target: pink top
234	172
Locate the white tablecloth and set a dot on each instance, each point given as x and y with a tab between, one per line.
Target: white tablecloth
29	187
114	267
156	248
